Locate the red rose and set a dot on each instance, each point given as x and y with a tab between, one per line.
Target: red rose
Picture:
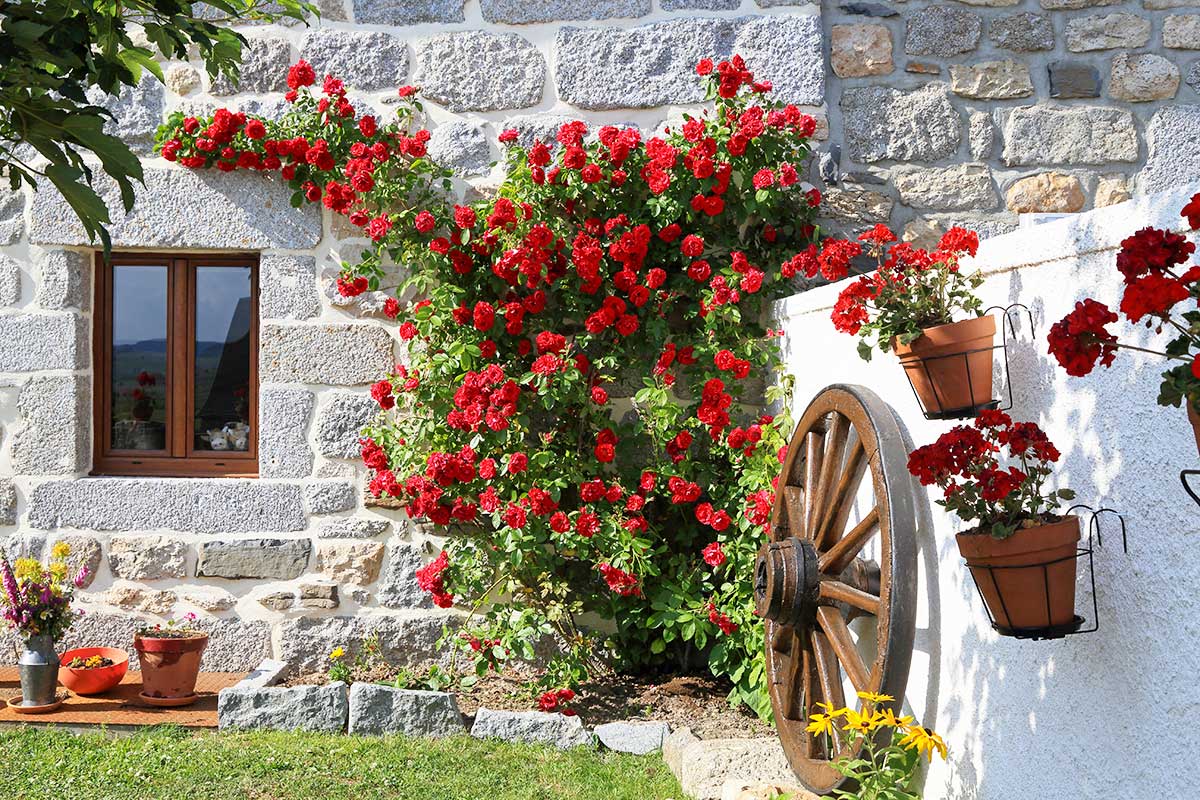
301	74
517	462
255	129
704	66
508	135
367	126
714	556
692	246
1192	212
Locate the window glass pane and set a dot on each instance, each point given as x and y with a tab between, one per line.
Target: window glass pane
223	317
139	358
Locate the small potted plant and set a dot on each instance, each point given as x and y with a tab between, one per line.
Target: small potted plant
37	605
886	766
1021	553
93	670
170	659
920	306
1160	292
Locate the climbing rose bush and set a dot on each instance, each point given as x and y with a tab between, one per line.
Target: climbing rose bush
581	411
1161	292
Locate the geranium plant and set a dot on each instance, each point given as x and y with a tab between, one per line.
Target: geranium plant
577	406
912	288
37	597
992	473
1160	292
886	767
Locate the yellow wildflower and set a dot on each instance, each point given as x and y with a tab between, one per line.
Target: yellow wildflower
831	711
891	720
872	697
821	724
925	741
862	722
337	653
58	571
27	569
60	551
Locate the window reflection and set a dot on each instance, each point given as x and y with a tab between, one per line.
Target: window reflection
139	358
222	376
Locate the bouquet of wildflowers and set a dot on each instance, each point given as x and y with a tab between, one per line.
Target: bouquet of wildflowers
36	597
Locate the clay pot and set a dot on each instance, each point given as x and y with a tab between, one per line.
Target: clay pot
950	366
170	666
1032	584
93	681
1194	418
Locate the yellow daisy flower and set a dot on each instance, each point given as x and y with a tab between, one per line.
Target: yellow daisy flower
924	741
872	697
830	710
891	720
821	724
337	653
861	722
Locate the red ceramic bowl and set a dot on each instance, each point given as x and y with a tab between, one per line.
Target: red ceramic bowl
93	681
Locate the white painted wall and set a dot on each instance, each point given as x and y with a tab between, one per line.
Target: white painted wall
1112	714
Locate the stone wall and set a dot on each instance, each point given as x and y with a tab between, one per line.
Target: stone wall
928	114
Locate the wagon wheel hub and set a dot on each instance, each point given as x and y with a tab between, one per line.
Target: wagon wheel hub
787	581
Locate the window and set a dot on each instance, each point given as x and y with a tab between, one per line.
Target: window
176	357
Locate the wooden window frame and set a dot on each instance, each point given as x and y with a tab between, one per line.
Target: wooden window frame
180	458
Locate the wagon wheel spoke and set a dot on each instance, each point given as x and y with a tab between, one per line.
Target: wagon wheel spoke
781	639
833	521
844	593
794	683
813	744
831	462
838	557
814	453
830	680
793	509
834	625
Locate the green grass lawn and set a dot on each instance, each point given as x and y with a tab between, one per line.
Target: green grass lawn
171	764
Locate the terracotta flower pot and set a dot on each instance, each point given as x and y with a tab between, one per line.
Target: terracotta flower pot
170	666
1194	418
93	681
1028	579
950	366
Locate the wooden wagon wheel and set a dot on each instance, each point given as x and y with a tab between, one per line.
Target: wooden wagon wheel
837	582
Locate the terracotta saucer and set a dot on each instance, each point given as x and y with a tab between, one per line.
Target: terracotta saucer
15	704
168	702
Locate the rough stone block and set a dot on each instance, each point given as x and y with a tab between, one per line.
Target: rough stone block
1075	5
654	65
276	559
405	641
330	497
399	588
348	561
859	50
1193	76
25	545
407	12
1142	78
705	765
959	188
463	147
137	110
1047	193
12	216
1068	135
267	673
64	279
182	79
367	60
1022	33
883	123
1071	80
377	710
981	135
294	708
206	598
520	12
353	528
991	80
8	502
56	435
706	5
207	505
531	727
10	281
288	287
1111	190
132	597
856	206
180	208
265	62
1182	31
339	355
1107	32
1174	150
942	32
480	71
340	421
33	342
147	558
283	417
637	737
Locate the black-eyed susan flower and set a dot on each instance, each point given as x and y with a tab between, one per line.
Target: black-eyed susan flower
872	697
924	741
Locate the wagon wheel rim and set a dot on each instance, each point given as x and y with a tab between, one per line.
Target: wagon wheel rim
812	580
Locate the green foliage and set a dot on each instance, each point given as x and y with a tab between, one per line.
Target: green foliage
53	51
